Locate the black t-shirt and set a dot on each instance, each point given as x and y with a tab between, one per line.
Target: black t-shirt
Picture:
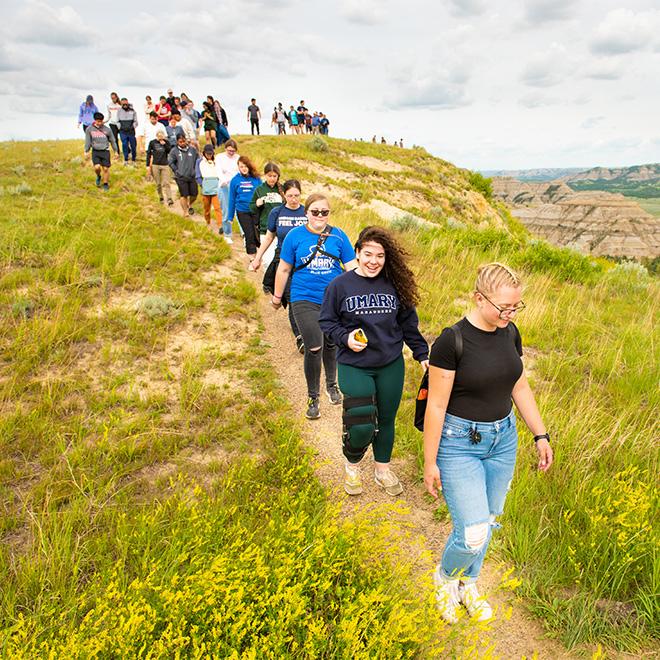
253	110
487	371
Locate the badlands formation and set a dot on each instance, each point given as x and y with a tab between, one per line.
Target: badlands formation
598	223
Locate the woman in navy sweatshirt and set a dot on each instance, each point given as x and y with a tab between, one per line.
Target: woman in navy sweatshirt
241	189
369	313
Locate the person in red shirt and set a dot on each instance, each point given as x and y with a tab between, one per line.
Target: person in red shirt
164	111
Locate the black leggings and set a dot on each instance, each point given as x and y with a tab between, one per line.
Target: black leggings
306	315
250	227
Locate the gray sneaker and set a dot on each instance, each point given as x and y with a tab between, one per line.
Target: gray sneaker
313	411
334	395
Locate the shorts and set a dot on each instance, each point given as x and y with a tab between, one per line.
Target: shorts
187	187
101	157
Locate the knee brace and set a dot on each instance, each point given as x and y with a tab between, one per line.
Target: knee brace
355	454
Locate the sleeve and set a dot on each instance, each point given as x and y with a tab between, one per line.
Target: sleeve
288	251
150	153
171	159
253	202
88	140
330	317
135	120
231	206
272	219
443	351
347	253
80	114
112	140
409	323
198	172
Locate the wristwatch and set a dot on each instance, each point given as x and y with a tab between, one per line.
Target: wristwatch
543	436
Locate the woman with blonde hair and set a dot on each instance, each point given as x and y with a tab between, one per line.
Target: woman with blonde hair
470	437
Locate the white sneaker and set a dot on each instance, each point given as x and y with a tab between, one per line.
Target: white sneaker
352	479
228	239
446	593
389	482
477	606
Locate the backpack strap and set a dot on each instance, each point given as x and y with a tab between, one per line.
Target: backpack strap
318	249
458	342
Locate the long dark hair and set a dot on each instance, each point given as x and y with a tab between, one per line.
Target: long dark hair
252	170
395	269
271	167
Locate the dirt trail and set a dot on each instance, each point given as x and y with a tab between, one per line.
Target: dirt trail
514	638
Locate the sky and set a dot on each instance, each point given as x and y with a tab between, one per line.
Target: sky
485	85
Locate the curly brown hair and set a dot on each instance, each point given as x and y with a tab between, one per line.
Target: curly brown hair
395	269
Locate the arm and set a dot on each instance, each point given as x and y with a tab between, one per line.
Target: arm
88	141
135	121
149	156
265	244
523	397
198	172
113	142
441	382
80	115
330	316
409	324
172	162
231	205
281	277
254	202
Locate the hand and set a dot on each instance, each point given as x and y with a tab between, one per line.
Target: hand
86	155
255	264
117	157
353	344
432	480
425	365
276	302
544	451
260	201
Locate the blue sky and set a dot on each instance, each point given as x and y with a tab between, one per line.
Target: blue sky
486	85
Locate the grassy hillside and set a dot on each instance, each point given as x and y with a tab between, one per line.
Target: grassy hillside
135	480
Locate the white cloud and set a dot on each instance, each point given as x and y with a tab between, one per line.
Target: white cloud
591	122
609	69
624	31
544	11
437	88
10	59
39	23
537	100
363	12
467	7
547	69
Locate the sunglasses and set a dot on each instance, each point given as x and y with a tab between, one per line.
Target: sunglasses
324	213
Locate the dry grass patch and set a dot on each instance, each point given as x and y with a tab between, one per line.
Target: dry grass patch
378	164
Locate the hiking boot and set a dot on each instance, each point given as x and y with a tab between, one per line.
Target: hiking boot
313	411
98	180
477	606
352	479
333	394
389	482
106	187
300	345
447	596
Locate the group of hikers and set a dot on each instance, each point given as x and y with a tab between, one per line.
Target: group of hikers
351	308
299	120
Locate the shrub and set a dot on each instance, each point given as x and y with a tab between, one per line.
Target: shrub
155	306
481	184
318	144
405	222
23	308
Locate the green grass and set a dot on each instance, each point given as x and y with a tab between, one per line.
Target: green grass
650	204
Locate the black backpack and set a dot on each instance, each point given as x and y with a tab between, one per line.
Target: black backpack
423	391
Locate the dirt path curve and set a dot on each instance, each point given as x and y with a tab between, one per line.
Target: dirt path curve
519	636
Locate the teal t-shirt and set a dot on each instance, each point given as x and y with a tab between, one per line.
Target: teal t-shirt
309	283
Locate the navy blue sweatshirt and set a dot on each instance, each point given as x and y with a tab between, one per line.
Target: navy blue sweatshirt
371	303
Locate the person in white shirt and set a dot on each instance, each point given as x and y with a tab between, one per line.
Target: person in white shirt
113	108
227	163
187	127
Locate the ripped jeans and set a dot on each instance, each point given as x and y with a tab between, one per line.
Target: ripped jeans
475	480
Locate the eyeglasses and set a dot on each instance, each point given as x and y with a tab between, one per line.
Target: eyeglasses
324	213
505	311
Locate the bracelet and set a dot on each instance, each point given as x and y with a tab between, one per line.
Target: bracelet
543	436
278	297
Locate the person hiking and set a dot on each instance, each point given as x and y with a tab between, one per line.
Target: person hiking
164	111
128	122
470	436
182	161
293	120
324	122
151	128
187	128
312	255
173	131
280	118
266	197
99	138
86	113
220	112
208	176
228	168
281	220
113	109
376	302
158	167
210	123
241	189
253	116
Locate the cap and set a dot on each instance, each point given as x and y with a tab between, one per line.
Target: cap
208	149
184	103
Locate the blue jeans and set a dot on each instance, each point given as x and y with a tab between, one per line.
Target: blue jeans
475	481
223	196
128	145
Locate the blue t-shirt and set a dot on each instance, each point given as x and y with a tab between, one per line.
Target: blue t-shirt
309	283
281	220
